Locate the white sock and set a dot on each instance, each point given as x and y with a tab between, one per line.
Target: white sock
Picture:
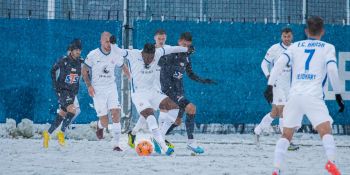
165	122
265	123
139	124
100	124
173	113
192	142
116	130
280	152
153	126
329	146
280	124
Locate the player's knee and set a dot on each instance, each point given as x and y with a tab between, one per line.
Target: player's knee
147	112
168	104
288	133
115	115
324	128
71	108
62	113
191	109
104	121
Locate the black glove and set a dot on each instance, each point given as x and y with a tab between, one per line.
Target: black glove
340	102
190	50
268	93
209	81
113	39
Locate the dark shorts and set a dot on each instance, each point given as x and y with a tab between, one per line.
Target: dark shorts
180	100
65	99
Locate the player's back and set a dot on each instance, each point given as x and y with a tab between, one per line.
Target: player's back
309	73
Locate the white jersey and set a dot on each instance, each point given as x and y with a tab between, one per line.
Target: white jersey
143	79
272	57
309	59
103	66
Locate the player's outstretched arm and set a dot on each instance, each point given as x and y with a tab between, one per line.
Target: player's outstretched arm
171	49
195	77
332	72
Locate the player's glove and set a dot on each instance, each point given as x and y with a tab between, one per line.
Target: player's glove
268	93
209	81
113	39
340	102
190	50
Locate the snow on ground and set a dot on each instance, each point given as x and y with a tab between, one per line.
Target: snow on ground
225	154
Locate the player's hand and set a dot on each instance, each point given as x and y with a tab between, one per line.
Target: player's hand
178	121
340	102
209	81
190	50
91	91
113	39
268	93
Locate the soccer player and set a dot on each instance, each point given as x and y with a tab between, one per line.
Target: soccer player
282	84
102	88
173	67
312	61
160	39
65	76
145	96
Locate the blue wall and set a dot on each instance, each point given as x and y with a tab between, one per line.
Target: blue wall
29	49
229	53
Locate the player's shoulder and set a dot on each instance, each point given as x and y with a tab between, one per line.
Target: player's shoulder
274	47
93	53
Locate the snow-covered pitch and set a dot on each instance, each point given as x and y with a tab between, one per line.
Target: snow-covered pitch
225	154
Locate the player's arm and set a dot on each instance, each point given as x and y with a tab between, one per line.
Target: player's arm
86	77
265	67
195	77
170	49
54	70
266	62
332	72
115	48
126	71
276	71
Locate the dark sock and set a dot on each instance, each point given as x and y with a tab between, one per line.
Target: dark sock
171	129
180	114
67	121
189	126
55	123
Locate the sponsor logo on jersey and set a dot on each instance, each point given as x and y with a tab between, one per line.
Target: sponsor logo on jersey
72	78
304	76
105	70
178	75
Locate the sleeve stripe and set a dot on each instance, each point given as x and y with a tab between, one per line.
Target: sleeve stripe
127	53
121	65
87	65
163	50
288	58
330	61
267	60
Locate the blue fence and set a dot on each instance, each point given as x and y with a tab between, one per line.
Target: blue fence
229	53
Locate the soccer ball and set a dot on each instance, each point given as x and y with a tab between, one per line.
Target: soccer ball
144	148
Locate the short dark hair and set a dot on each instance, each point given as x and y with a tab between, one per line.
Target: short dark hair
186	36
160	32
315	25
286	30
75	44
149	48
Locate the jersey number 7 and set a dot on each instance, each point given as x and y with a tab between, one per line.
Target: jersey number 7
311	53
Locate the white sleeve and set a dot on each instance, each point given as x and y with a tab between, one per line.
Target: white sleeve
332	72
265	67
89	60
170	49
270	54
119	51
277	69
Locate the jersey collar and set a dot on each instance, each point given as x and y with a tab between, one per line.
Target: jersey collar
104	52
283	46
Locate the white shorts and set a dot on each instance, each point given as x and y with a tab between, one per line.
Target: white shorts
105	99
280	95
147	99
297	106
